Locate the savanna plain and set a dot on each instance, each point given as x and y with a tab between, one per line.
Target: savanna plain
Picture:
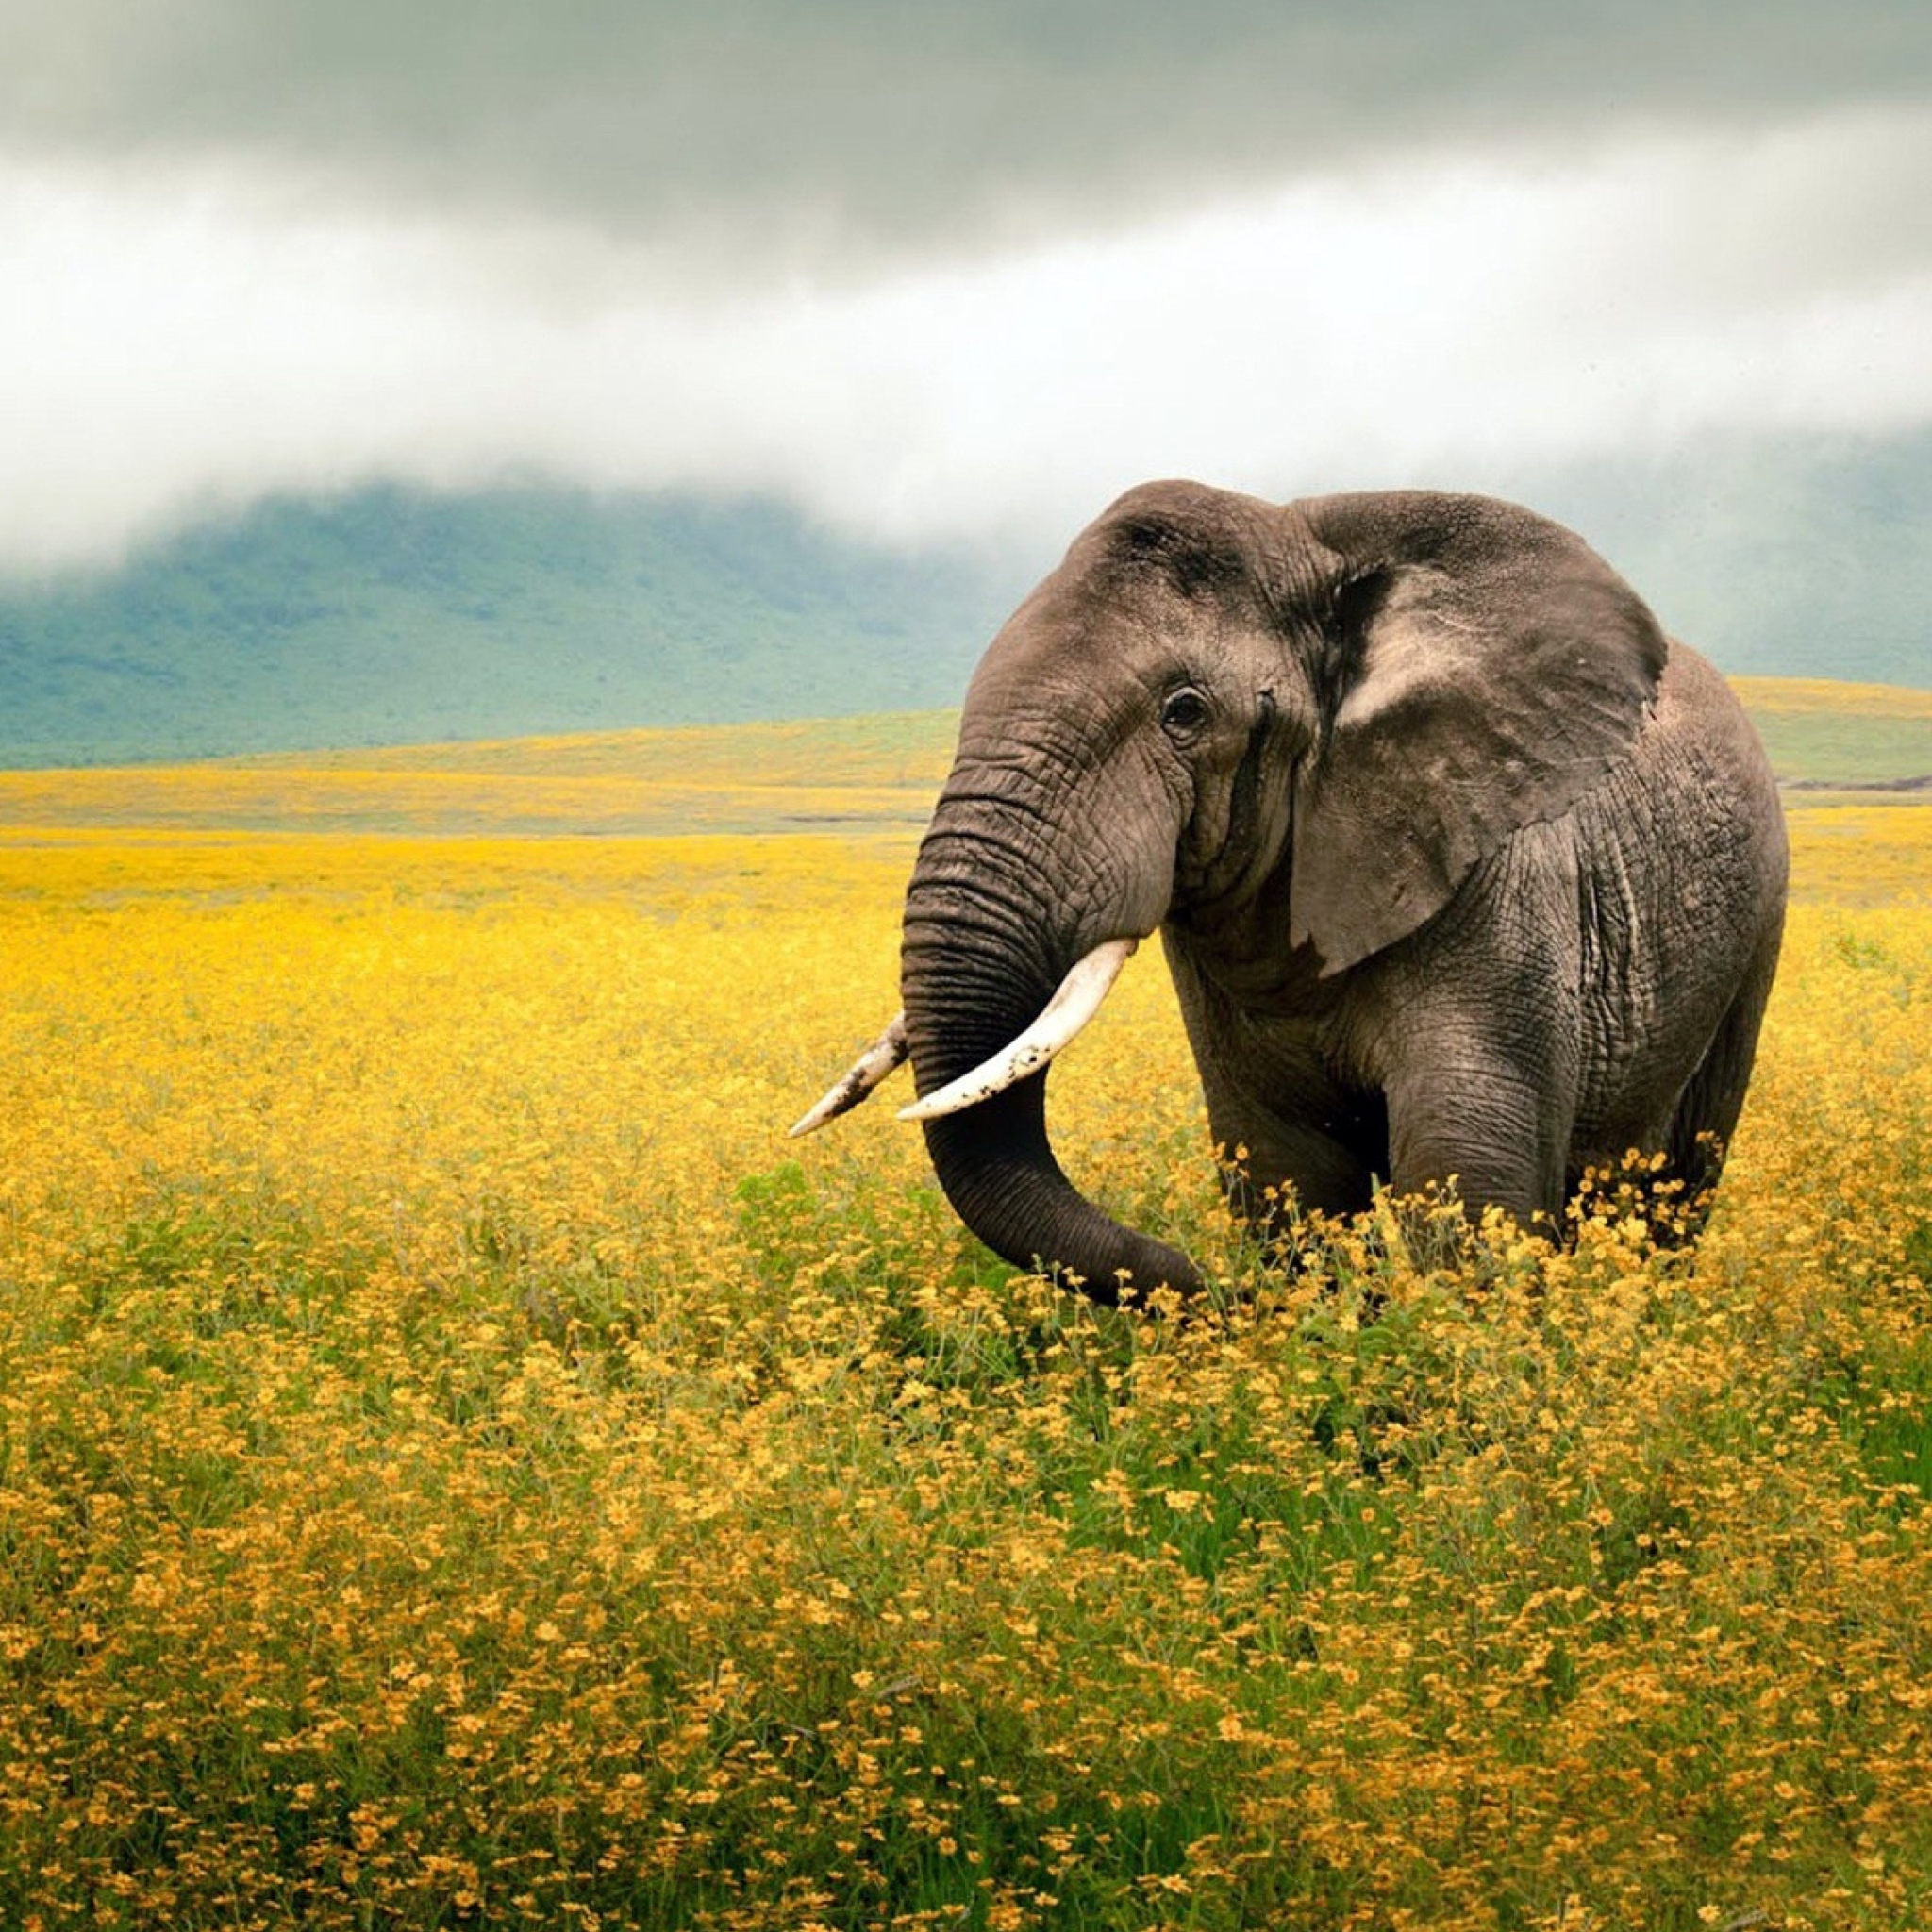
460	1465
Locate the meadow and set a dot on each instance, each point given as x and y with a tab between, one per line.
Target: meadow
461	1466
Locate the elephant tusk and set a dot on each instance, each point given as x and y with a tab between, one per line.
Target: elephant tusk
1073	1005
858	1079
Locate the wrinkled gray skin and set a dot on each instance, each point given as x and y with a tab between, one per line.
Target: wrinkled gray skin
1461	867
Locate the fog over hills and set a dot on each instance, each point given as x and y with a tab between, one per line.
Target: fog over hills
393	615
1803	557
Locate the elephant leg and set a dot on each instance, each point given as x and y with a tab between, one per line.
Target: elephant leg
1474	1035
1292	1136
1498	1133
1326	1164
1706	1113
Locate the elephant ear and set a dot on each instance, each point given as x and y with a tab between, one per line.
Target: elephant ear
1486	668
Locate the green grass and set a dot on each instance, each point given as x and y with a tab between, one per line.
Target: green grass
1847	753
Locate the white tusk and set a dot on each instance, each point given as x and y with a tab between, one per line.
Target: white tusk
1076	1003
858	1079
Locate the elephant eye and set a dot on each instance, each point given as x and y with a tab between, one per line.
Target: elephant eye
1184	713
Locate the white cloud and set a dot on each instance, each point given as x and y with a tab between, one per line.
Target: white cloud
171	345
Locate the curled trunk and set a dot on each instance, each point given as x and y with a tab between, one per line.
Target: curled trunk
978	967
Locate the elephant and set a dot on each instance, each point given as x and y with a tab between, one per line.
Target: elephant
1467	876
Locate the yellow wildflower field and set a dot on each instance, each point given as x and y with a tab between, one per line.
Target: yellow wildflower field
460	1465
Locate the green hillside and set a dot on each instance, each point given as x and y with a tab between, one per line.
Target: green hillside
1828	736
1793	556
393	616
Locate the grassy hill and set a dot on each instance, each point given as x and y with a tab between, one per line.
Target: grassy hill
392	615
1843	737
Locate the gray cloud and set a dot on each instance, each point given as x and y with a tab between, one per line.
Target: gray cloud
171	345
781	135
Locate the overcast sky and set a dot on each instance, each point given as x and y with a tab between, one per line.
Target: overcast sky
937	272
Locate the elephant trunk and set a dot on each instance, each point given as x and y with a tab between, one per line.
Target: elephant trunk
979	963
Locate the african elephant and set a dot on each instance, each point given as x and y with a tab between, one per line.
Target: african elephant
1463	870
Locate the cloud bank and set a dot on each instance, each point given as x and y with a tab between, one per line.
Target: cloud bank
176	341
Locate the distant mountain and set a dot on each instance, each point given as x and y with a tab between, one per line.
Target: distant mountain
398	616
1795	557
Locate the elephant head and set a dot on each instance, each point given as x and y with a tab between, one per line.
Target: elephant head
1284	734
